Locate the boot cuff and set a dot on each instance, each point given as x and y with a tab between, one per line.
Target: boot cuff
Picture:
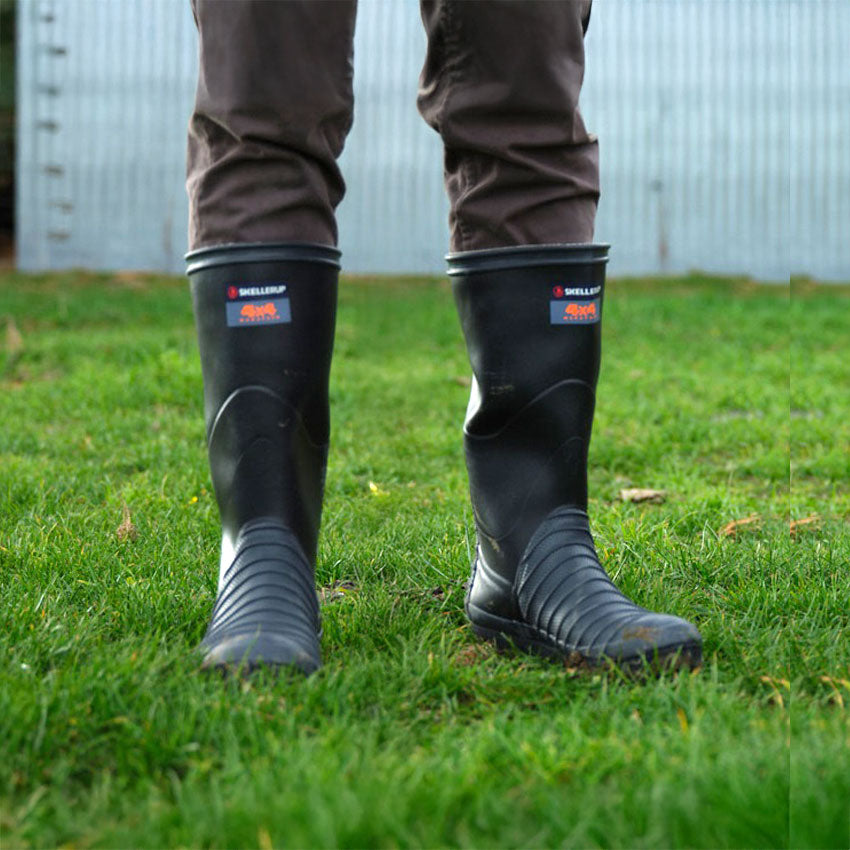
261	252
525	256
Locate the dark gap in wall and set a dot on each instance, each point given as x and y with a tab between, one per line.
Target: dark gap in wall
7	130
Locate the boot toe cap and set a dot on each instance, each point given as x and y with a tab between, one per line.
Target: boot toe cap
660	637
249	651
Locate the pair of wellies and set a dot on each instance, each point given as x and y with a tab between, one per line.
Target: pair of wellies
531	317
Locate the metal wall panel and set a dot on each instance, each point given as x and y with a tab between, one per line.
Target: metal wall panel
689	100
819	127
105	90
724	129
394	217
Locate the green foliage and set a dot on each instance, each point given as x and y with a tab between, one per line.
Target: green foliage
413	734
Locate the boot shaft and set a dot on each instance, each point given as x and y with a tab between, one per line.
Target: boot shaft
531	317
265	317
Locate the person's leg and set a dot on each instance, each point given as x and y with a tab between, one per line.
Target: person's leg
273	108
501	84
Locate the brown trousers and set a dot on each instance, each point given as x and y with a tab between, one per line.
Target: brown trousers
500	84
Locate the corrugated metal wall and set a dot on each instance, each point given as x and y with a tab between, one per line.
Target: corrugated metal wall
724	127
104	92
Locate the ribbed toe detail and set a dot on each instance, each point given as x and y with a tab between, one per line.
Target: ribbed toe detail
564	593
267	610
566	605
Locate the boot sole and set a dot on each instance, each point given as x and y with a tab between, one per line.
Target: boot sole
508	635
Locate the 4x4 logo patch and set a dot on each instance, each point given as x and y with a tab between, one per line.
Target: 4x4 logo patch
249	305
578	305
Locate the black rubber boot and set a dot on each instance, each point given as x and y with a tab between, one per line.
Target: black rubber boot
265	318
531	318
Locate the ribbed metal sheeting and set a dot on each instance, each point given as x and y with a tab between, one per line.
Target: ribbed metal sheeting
723	127
819	138
104	92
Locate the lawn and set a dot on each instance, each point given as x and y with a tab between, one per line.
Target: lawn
414	734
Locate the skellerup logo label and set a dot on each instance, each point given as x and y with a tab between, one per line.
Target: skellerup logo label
576	291
234	292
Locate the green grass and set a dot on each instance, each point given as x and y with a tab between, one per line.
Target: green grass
413	734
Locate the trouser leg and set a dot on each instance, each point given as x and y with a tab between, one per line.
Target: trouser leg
501	85
273	107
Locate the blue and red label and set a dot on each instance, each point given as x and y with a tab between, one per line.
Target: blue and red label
575	305
251	305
